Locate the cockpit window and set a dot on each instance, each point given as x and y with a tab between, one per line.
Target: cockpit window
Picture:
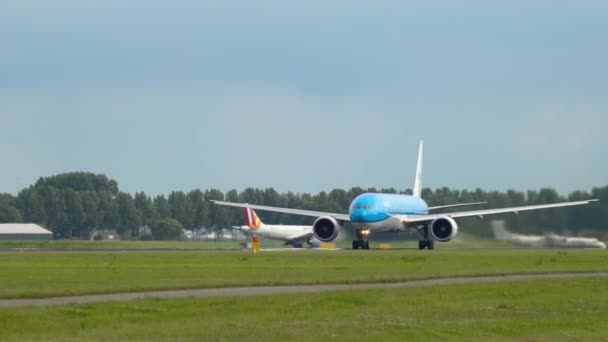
368	207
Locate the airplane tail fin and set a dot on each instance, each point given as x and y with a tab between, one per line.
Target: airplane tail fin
418	181
252	219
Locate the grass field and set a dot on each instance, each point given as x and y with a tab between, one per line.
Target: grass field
42	274
540	310
462	241
116	244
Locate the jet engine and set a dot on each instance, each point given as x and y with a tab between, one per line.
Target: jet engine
325	228
444	229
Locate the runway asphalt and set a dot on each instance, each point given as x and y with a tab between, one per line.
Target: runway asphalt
238	249
271	290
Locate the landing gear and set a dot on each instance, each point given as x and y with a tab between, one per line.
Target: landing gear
427	242
362	242
422	244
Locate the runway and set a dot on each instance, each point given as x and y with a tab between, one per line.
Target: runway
271	290
240	249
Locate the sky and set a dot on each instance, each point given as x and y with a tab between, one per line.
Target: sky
305	96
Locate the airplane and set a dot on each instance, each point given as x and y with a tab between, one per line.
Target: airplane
377	212
543	241
292	235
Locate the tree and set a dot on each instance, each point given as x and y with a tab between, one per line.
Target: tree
339	197
167	229
80	181
108	211
74	202
200	208
129	219
147	211
216	212
93	215
31	205
180	207
233	217
162	206
80	201
9	214
54	205
75	215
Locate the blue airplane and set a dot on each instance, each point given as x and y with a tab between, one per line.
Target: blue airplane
375	212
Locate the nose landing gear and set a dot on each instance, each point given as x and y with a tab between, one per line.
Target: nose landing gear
362	242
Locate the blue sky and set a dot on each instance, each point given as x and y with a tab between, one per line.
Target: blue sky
177	95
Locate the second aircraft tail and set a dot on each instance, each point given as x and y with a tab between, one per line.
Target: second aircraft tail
252	219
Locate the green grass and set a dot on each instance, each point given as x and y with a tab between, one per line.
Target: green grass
116	244
461	241
540	310
43	274
455	244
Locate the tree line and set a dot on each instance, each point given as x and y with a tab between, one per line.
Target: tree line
73	204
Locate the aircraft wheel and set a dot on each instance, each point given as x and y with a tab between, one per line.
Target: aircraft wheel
366	244
355	244
430	244
421	244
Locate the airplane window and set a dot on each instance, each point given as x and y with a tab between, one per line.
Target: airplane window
369	207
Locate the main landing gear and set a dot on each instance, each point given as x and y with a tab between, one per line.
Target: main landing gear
427	242
362	242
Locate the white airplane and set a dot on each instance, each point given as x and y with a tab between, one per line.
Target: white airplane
372	212
543	241
292	235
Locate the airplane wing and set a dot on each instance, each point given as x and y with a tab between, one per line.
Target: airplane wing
455	205
339	217
409	219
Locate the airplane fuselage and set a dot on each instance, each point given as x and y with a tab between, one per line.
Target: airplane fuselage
278	232
554	241
380	212
544	241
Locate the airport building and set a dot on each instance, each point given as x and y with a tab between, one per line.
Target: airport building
24	231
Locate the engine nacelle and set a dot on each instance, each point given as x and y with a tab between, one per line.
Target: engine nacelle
444	229
325	228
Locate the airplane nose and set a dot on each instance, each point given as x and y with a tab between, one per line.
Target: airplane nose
367	216
358	215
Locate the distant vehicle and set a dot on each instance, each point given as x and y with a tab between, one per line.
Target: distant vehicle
295	236
543	241
372	212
